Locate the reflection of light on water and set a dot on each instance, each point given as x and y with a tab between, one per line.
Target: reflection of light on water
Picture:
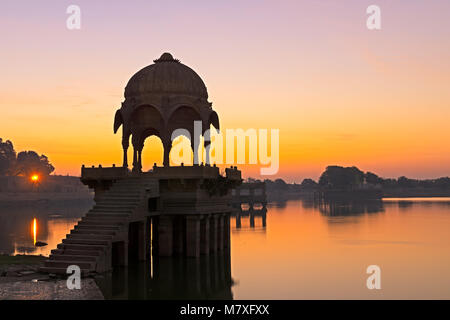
418	199
151	251
34	231
51	232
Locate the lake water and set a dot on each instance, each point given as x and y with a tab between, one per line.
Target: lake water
303	251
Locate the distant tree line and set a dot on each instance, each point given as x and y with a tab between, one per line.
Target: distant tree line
351	177
24	163
337	177
278	185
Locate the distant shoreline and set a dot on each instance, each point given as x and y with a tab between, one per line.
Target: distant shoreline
280	196
21	197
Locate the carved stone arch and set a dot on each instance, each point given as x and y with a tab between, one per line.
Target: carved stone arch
146	120
183	117
146	117
147	133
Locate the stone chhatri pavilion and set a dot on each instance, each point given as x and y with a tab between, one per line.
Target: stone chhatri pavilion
159	99
182	210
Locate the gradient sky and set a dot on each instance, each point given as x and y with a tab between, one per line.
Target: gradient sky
339	93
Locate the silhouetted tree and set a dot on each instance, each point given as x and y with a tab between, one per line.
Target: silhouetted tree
340	177
404	182
309	184
29	162
7	157
443	183
276	185
372	178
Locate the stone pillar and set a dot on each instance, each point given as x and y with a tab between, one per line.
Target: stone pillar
148	238
214	271
134	157
213	233
178	235
155	235
167	145
227	236
193	277
142	244
206	274
238	220
165	236
204	235
252	219
125	145
193	236
140	159
221	234
107	262
122	251
207	145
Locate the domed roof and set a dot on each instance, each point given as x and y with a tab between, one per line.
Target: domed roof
168	76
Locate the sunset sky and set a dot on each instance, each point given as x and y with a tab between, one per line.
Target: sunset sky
339	93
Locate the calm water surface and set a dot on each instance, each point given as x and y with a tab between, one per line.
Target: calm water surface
304	251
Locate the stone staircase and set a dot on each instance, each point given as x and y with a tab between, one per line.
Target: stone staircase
89	244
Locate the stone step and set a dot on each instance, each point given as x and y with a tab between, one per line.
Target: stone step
86	241
114	200
81	246
91	222
125	193
93	231
117	201
68	257
107	218
88	227
110	210
88	236
91	253
114	206
103	216
107	214
64	264
128	190
105	221
61	271
120	195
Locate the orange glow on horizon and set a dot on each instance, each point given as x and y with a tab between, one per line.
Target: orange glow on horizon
35	178
339	96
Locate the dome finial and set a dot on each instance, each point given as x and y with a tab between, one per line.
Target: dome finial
166	57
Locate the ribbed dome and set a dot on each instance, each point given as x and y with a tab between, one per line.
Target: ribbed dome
168	76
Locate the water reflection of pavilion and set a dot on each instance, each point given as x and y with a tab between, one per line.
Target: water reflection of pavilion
250	214
171	278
